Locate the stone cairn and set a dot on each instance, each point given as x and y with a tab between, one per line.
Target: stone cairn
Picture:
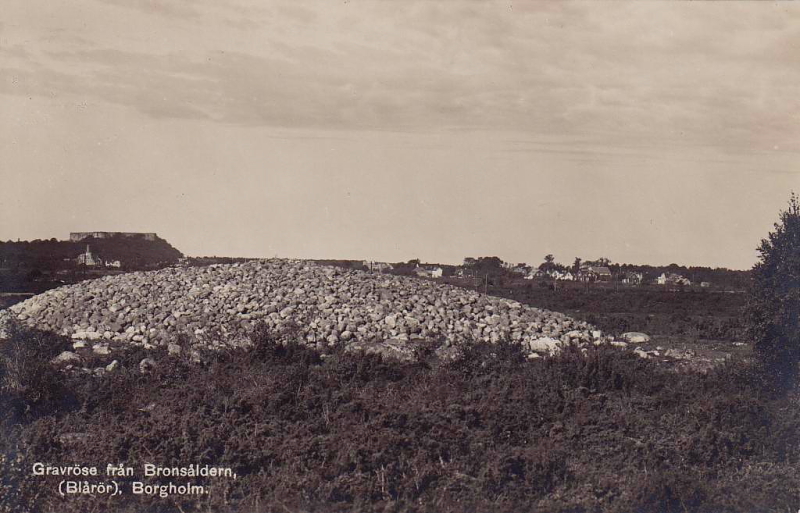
218	306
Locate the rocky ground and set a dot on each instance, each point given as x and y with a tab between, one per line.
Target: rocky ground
218	305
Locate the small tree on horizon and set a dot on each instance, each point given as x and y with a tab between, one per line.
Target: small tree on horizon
549	263
774	303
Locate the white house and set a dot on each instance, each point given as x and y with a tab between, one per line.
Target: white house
429	272
672	279
88	259
563	276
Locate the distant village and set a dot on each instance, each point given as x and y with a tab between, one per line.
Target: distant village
589	272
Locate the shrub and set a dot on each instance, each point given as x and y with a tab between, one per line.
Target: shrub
28	383
774	303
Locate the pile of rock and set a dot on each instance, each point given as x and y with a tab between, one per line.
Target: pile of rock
218	306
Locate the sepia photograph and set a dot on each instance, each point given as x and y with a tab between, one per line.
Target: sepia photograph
436	256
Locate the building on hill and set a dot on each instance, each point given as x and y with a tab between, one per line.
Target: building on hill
88	259
79	236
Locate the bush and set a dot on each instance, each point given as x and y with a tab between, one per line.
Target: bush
28	383
774	304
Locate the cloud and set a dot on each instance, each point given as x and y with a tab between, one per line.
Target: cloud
717	74
167	8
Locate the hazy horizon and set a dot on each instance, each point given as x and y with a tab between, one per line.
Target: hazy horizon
644	132
534	263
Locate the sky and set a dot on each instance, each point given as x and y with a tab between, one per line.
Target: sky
643	132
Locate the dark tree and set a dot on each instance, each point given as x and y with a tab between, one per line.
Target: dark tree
549	263
774	303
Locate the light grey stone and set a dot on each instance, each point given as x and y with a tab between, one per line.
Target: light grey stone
545	345
66	357
634	337
102	349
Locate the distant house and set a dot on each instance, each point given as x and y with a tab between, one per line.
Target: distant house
521	269
88	259
563	276
632	278
536	273
429	272
705	284
378	267
115	263
602	273
594	273
672	279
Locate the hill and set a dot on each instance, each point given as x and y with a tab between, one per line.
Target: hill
38	265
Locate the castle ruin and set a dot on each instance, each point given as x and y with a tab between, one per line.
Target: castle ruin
79	236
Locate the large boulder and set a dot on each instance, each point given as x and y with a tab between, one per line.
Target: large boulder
634	337
545	345
66	357
392	349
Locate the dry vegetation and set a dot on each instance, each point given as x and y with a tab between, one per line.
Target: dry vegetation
490	431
